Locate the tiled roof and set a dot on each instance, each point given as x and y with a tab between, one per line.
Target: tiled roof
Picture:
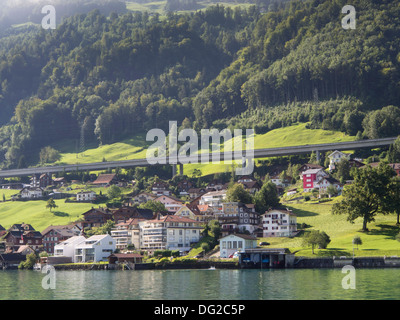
104	178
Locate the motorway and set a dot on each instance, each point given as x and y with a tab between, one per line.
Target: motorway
201	158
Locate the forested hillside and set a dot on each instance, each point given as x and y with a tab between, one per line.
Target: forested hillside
100	79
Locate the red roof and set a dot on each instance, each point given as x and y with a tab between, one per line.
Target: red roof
104	178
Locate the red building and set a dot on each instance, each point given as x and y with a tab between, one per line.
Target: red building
55	234
311	178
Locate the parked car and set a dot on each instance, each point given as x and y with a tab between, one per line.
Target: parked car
264	244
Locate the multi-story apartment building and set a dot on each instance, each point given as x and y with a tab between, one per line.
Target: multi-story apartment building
279	223
238	217
214	200
127	234
169	233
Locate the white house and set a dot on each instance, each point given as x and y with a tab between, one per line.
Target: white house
311	178
279	223
31	193
67	247
214	200
96	248
232	243
85	196
324	183
335	157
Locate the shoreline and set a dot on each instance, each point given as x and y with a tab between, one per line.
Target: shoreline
298	263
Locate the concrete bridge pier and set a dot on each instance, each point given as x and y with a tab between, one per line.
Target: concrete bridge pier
318	156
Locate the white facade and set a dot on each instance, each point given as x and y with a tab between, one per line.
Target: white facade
326	182
214	200
235	243
279	223
335	157
67	247
94	249
86	196
169	233
31	193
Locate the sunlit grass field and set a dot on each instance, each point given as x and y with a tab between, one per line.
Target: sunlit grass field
136	147
379	241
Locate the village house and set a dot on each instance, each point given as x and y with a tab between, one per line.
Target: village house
196	192
31	193
127	234
326	182
192	212
278	223
124	213
41	181
25	250
53	235
95	217
183	187
308	166
104	180
169	233
214	200
233	243
311	178
59	182
215	185
251	185
66	248
172	204
86	196
142	197
238	217
94	249
281	182
22	234
335	157
160	188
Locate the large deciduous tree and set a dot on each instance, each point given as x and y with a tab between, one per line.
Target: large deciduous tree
368	195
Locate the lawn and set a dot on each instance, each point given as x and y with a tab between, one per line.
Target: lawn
379	241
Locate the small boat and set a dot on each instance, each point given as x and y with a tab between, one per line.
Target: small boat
211	268
37	267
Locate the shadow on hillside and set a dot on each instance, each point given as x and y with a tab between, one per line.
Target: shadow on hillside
303	213
329	252
60	214
390	232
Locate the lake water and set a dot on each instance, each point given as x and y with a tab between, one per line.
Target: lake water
288	284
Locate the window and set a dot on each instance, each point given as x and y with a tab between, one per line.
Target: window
229	244
223	244
234	244
240	244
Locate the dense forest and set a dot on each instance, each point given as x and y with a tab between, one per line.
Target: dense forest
105	77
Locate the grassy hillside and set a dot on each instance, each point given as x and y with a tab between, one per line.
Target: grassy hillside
136	147
36	214
158	6
379	241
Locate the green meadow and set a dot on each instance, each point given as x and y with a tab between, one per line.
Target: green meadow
159	6
136	147
36	214
378	241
